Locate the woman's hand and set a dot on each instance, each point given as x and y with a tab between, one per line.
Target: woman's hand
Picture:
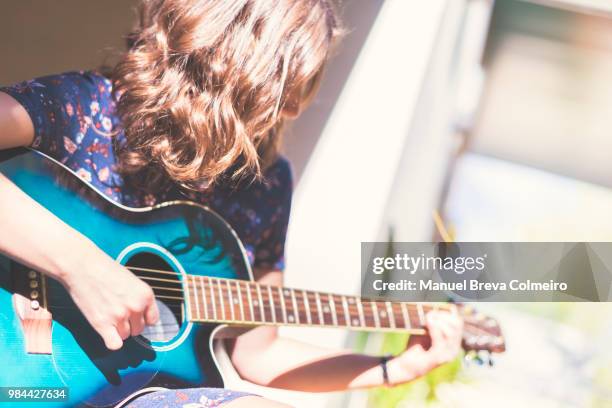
115	302
425	353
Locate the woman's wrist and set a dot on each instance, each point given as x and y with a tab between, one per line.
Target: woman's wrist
384	371
408	366
74	253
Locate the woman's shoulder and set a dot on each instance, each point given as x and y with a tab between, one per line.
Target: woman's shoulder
278	174
58	101
92	81
272	191
85	78
275	186
74	120
88	83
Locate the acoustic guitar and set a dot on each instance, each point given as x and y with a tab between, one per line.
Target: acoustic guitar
202	281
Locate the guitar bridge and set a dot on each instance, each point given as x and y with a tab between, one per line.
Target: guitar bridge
30	305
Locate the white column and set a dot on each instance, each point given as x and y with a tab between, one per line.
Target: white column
343	192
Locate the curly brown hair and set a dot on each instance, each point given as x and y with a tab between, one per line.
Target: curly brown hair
205	86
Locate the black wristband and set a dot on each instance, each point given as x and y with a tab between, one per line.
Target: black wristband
385	371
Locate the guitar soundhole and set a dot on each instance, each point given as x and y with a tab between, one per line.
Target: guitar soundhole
168	289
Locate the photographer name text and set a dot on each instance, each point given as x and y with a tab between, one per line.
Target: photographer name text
468	285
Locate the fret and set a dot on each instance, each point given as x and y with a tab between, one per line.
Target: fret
231	299
368	313
188	308
383	316
307	307
353	311
332	307
415	318
421	315
327	316
242	318
296	311
390	314
250	302
283	306
375	314
198	280
188	295
315	312
398	316
212	296
347	315
360	311
261	303
265	302
302	316
276	304
319	309
221	301
272	306
195	297
407	322
340	316
289	306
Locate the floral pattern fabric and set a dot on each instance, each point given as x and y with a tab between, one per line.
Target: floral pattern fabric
187	398
75	121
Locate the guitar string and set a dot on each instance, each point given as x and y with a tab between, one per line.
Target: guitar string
239	281
178	308
299	310
353	313
469	327
217	279
170	289
161	279
135	268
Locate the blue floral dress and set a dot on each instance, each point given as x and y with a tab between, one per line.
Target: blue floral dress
74	121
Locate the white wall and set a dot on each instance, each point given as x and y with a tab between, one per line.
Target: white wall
346	183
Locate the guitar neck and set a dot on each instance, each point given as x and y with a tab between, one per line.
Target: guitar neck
217	300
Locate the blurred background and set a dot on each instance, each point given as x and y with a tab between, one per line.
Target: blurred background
496	114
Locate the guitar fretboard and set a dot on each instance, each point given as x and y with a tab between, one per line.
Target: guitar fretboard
248	303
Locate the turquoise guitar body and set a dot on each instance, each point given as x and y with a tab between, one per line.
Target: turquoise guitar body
176	237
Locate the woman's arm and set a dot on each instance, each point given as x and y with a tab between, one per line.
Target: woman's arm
263	357
16	127
114	301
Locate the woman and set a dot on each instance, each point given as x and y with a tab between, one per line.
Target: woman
193	108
